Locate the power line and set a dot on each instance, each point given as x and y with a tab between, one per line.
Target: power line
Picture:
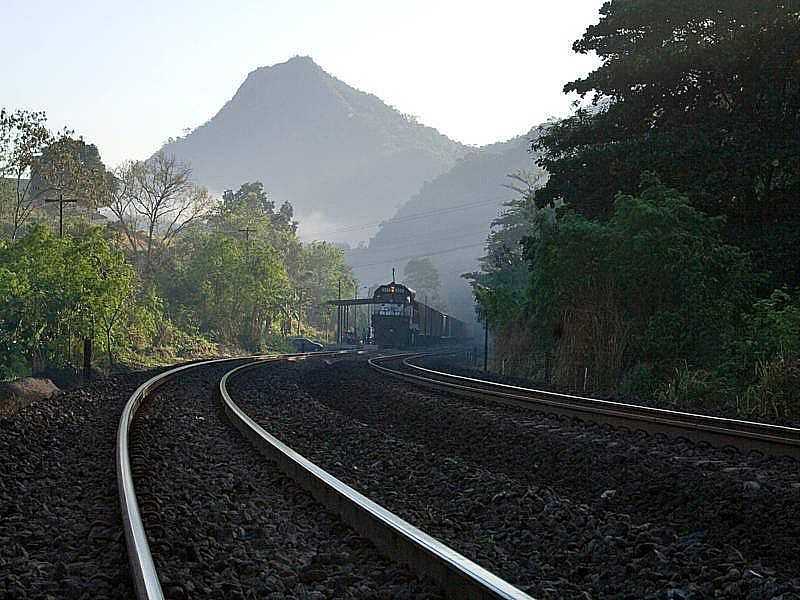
413	216
400	258
434	236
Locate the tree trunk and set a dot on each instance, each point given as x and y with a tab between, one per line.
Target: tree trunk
108	349
87	358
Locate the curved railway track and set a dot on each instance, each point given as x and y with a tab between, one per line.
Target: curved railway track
743	435
457	576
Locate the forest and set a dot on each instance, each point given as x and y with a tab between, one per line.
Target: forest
138	265
660	257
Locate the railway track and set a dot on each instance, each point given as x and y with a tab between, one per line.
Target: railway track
745	436
455	575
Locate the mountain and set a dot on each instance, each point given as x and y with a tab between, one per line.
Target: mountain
448	220
337	154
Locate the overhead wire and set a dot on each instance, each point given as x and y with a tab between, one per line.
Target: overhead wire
412	217
425	255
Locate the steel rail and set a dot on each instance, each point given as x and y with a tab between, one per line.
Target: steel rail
720	431
143	570
458	576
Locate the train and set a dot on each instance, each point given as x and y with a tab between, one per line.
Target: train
399	320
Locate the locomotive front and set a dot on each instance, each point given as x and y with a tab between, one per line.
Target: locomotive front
393	316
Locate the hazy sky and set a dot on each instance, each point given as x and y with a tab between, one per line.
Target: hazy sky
127	75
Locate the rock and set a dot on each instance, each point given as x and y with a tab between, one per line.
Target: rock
21	392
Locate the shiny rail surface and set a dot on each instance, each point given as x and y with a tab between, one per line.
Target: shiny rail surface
458	576
718	431
143	570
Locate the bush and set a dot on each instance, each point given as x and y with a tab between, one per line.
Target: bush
653	284
688	389
639	381
775	392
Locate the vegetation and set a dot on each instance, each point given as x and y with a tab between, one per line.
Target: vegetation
660	258
707	95
421	275
173	273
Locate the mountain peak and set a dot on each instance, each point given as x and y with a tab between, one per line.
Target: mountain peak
297	63
326	147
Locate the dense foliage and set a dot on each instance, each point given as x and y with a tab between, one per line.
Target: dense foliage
170	272
421	275
652	284
662	255
707	95
55	292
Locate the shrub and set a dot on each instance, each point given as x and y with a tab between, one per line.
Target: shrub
688	389
775	392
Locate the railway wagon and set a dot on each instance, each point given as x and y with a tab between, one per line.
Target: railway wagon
400	321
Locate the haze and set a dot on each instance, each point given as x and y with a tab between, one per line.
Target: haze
127	76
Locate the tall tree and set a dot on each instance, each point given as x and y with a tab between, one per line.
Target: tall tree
501	285
71	167
323	267
654	283
54	289
706	94
421	275
23	137
236	287
153	201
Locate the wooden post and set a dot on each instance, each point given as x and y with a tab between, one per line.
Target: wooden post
339	317
61	201
87	358
486	345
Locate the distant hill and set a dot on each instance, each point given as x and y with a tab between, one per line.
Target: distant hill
337	154
448	220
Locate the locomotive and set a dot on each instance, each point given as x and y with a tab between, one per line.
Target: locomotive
400	321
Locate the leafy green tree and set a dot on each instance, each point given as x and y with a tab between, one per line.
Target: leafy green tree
501	286
421	275
237	288
55	290
706	94
251	213
655	283
23	137
73	168
323	268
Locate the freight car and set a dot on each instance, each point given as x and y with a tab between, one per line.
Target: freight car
400	321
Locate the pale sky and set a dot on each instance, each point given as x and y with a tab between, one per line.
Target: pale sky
129	74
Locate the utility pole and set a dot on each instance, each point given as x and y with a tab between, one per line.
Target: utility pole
247	231
355	311
87	341
486	344
61	201
427	321
299	310
339	317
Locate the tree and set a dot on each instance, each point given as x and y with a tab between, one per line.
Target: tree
54	289
422	275
500	287
111	288
236	287
252	212
654	283
707	95
73	168
23	137
153	201
323	267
